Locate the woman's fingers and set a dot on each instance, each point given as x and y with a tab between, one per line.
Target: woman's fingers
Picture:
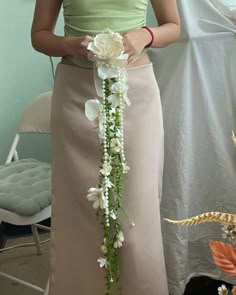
131	58
131	55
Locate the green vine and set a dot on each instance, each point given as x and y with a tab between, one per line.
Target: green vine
111	233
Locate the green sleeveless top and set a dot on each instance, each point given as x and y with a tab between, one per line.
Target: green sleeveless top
90	17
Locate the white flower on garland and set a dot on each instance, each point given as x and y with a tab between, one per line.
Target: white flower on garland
103	247
116	145
103	262
119	89
93	111
125	168
96	195
113	215
118	133
223	290
108	183
120	239
106	169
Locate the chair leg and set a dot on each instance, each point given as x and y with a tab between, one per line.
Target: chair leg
21	282
36	239
46	291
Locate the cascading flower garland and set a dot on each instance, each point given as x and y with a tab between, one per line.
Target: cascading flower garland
107	53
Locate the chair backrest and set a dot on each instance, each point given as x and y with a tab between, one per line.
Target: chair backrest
36	117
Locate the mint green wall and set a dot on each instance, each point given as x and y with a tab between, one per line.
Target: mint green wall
24	73
151	19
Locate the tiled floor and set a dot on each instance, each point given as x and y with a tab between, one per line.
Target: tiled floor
24	264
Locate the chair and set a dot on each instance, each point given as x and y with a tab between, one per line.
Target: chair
25	184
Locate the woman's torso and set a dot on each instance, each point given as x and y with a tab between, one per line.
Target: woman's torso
90	17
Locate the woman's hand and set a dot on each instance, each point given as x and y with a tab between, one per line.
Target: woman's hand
77	46
135	41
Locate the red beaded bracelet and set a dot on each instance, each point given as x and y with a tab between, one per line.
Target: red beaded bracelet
152	35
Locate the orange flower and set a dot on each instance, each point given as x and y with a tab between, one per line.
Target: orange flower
224	256
234	290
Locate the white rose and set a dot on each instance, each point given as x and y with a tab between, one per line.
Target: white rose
107	51
107	45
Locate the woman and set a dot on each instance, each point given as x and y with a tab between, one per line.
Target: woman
76	236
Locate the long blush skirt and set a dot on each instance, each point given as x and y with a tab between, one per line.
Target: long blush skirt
76	234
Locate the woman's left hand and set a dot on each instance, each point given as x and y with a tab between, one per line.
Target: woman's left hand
135	41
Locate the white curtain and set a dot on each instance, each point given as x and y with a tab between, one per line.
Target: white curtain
226	7
197	79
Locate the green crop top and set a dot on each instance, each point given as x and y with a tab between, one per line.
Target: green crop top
90	17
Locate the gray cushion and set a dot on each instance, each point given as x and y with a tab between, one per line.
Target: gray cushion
25	186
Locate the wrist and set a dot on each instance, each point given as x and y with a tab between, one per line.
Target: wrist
149	36
71	45
68	45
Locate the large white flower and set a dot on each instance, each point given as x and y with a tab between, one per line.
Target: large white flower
119	240
97	196
107	46
107	50
102	262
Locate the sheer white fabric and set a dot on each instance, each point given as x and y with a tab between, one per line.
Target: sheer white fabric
226	7
196	76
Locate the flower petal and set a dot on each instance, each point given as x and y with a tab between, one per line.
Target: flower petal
92	197
114	100
107	72
127	101
96	203
224	256
92	109
102	262
93	190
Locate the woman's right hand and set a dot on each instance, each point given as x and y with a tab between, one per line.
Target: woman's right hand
77	46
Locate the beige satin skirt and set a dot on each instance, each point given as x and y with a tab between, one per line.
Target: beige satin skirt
76	234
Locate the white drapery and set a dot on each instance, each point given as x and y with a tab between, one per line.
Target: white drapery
226	7
197	77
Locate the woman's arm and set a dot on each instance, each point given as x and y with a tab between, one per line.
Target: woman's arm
168	29
167	32
42	32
